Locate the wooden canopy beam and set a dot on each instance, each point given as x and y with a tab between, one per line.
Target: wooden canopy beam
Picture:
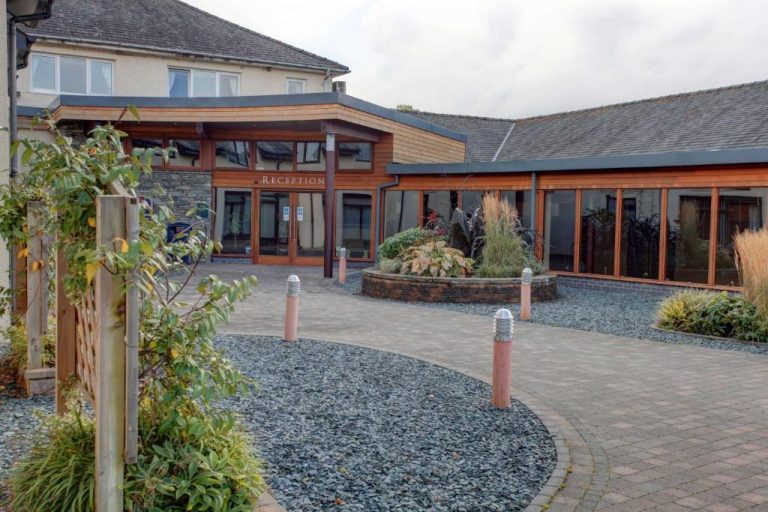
350	130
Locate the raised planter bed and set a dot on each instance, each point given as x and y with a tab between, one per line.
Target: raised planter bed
457	290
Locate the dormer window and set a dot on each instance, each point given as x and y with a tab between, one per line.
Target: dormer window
183	83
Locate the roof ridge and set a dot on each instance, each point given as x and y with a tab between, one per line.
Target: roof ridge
259	34
644	100
461	116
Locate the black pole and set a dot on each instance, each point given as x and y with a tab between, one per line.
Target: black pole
12	126
330	202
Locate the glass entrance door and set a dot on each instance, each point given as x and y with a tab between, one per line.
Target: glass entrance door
291	228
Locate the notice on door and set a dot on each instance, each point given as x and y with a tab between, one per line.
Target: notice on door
286	213
299	213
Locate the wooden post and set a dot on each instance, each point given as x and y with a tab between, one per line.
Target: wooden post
66	341
37	379
132	310
110	361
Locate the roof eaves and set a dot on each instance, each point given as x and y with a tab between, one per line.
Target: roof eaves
338	68
631	161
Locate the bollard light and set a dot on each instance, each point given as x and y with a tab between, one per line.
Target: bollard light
501	381
525	294
292	289
343	265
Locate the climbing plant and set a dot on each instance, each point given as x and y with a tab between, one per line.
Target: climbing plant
193	454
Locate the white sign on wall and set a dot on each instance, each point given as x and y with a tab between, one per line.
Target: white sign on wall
286	213
299	213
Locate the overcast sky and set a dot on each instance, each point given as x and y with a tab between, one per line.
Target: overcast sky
514	58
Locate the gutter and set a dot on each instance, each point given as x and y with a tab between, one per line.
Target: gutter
377	226
166	51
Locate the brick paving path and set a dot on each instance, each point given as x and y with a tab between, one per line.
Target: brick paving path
640	425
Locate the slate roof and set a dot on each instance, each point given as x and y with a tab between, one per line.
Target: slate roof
731	117
171	26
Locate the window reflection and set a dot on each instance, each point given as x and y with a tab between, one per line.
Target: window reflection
640	233
274	156
353	223
232	153
157	157
310	156
401	211
559	226
184	153
438	208
740	209
355	155
598	231
688	217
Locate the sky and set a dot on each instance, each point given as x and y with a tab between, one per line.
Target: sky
518	58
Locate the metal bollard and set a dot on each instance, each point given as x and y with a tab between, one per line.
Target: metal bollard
292	286
525	294
501	392
342	265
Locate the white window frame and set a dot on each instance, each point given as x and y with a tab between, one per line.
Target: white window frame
57	75
191	87
289	81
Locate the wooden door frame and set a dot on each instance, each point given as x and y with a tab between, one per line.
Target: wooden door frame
292	258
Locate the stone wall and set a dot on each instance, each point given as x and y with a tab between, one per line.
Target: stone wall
462	290
185	190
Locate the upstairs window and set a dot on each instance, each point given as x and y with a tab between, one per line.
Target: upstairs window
61	74
295	86
183	83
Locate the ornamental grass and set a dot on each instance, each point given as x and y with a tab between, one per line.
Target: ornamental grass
505	253
752	262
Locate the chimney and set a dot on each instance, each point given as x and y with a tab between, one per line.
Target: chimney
340	86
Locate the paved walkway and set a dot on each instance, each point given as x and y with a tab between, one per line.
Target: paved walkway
641	425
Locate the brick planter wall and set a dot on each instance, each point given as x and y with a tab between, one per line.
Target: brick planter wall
468	290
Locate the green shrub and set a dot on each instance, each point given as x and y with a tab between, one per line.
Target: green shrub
435	259
197	462
392	266
391	247
16	357
505	253
712	314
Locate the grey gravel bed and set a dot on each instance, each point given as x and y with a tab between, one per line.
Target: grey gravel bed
618	313
356	429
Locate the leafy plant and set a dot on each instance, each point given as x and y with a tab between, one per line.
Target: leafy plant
435	259
466	232
193	455
752	262
505	251
391	247
392	266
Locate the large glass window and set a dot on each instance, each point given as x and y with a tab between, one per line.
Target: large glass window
401	211
521	200
43	72
355	155
740	209
688	218
439	206
640	233
232	153
559	229
184	153
70	75
203	83
598	231
310	156
310	221
233	221
178	83
353	223
471	200
274	156
274	223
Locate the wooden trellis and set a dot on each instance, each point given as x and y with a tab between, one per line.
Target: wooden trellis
97	342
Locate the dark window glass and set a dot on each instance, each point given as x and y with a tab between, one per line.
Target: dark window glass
471	200
598	231
353	223
178	83
521	200
559	229
310	156
401	211
274	156
438	208
355	155
184	153
740	209
233	221
688	218
157	158
274	223
640	233
232	153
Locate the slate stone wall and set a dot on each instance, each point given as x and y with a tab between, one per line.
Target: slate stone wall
185	190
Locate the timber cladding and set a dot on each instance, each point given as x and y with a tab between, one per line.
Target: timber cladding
460	290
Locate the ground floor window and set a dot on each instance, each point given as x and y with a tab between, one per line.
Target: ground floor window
640	233
353	223
598	231
471	200
439	206
688	217
739	209
401	211
521	200
233	221
559	229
